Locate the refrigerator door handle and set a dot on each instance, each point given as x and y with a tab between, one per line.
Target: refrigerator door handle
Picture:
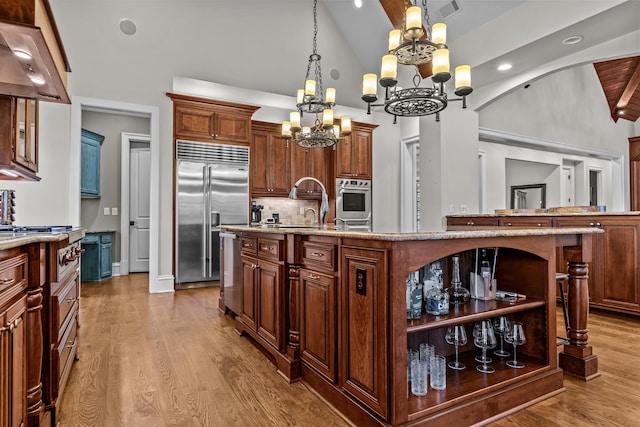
209	222
205	226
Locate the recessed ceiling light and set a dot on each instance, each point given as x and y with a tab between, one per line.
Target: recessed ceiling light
358	3
504	67
128	27
37	80
22	54
572	40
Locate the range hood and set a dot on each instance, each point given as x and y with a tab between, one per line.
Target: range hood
27	26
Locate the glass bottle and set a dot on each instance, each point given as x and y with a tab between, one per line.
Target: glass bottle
457	293
414	296
436	298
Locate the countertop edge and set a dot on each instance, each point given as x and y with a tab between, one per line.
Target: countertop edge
17	241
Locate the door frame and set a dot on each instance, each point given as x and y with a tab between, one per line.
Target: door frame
126	139
157	283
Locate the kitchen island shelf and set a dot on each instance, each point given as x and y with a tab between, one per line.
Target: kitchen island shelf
472	311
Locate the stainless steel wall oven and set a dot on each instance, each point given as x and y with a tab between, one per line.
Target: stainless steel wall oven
353	203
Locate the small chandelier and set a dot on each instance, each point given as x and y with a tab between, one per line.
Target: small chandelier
323	132
417	45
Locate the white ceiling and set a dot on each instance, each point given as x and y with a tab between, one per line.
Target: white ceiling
486	33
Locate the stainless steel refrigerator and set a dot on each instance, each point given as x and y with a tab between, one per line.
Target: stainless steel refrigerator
212	189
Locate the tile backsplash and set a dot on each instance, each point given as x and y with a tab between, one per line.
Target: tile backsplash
291	211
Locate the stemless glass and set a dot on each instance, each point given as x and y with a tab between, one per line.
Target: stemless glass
501	325
515	336
484	338
457	337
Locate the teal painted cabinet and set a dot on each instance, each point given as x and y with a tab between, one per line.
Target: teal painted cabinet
90	164
96	260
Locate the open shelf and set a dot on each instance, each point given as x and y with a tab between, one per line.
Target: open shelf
472	311
463	384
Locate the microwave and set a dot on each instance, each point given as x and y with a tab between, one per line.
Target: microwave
353	201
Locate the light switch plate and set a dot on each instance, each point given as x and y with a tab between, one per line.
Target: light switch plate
114	211
106	211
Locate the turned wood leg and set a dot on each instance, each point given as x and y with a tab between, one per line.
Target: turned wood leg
35	405
577	358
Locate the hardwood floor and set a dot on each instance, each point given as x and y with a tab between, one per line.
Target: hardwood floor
174	360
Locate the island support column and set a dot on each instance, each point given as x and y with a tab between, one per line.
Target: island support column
577	358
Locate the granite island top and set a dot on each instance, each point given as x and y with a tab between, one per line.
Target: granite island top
550	214
433	235
14	240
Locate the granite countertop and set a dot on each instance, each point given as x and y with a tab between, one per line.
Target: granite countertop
552	214
14	240
434	235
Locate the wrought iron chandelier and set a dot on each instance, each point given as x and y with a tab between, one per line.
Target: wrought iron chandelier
323	132
417	45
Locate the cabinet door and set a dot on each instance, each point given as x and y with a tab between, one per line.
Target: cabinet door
231	127
26	143
279	166
259	163
620	260
105	260
361	157
318	322
363	318
90	261
269	163
90	164
344	155
195	124
13	387
249	283
269	296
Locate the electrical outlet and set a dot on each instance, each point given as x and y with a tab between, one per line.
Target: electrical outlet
301	210
106	211
114	211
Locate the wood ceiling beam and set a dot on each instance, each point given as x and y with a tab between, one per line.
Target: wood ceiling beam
629	90
395	12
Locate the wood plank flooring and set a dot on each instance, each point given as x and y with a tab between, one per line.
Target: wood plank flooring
174	360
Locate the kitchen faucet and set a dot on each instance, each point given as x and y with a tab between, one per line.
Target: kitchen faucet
324	206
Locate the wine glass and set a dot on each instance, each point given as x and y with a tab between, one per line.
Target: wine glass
456	336
477	331
515	336
501	325
484	338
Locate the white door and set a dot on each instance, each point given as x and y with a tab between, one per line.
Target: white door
569	187
139	167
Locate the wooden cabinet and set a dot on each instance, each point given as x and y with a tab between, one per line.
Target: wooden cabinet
18	139
90	146
263	288
363	314
13	338
270	173
314	162
354	153
208	120
466	222
97	259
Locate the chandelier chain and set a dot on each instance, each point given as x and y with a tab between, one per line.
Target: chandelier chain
426	14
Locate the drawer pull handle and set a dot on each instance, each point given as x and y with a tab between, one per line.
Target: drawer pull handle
313	276
71	300
266	248
509	224
7	281
319	254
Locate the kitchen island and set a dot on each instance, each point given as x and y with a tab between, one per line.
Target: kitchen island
39	291
329	307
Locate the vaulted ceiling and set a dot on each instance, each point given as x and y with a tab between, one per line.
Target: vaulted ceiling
620	79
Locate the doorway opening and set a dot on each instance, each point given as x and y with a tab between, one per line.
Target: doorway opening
595	187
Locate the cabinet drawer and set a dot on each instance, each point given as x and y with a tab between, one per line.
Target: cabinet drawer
269	249
106	238
65	303
13	273
249	245
319	255
65	353
525	222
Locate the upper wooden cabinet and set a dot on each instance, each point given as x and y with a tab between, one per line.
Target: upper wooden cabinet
207	120
354	153
314	162
28	27
18	139
90	143
269	160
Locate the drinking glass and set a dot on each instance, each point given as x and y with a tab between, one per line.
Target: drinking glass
501	325
419	377
457	337
411	356
438	377
426	351
515	336
484	339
